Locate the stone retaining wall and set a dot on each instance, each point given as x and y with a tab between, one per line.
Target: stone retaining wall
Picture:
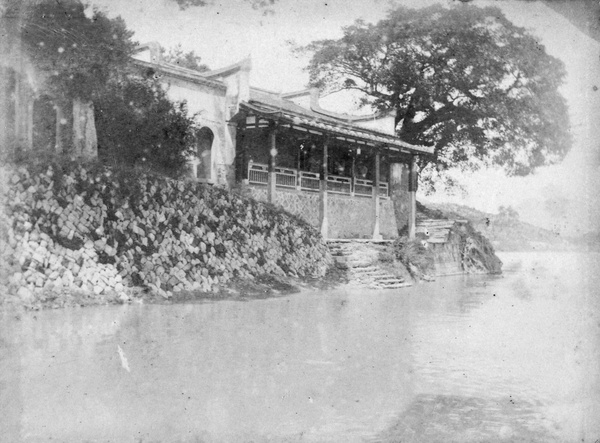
349	217
69	227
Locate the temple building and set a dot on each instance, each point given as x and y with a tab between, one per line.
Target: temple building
349	176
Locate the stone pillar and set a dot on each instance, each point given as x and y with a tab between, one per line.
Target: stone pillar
324	212
375	199
5	116
60	129
23	113
412	191
85	141
271	187
30	105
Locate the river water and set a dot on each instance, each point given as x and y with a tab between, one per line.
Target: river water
466	358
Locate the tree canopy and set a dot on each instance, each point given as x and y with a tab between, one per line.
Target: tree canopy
256	4
76	55
82	55
463	79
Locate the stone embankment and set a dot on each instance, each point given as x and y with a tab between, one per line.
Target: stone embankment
457	247
72	228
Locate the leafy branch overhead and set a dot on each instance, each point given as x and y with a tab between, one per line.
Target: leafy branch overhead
75	54
462	79
256	4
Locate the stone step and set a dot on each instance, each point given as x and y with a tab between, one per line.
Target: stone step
361	262
369	272
361	265
396	285
390	279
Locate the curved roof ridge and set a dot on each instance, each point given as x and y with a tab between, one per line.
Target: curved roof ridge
242	65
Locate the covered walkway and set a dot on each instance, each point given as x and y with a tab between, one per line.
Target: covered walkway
283	146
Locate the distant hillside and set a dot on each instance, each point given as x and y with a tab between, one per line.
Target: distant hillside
504	230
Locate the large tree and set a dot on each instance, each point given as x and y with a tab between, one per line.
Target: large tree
83	60
265	5
463	79
75	55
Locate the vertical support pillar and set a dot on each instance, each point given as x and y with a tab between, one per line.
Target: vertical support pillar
324	209
353	173
23	113
19	114
375	199
412	193
241	153
60	126
30	106
5	116
272	154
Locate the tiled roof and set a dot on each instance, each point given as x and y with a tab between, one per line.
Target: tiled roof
269	105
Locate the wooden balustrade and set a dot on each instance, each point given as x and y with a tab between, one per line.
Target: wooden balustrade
258	173
339	185
309	181
285	177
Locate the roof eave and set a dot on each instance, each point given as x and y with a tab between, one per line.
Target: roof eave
182	73
359	133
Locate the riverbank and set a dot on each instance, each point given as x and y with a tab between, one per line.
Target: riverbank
76	234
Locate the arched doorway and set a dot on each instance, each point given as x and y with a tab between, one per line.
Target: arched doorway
204	141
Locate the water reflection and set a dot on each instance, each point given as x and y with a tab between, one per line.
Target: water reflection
508	358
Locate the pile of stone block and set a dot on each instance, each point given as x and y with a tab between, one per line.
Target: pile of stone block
92	229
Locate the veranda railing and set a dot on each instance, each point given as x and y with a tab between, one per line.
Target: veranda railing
258	173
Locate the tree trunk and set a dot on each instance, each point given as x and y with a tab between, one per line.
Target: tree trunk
85	141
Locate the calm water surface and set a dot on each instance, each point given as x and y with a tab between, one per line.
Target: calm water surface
479	358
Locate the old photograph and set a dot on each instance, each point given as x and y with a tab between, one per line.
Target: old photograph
300	221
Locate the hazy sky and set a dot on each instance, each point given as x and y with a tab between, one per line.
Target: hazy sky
230	30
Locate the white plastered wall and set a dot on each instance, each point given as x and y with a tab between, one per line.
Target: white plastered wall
209	107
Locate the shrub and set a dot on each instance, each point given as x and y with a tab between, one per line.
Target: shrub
139	126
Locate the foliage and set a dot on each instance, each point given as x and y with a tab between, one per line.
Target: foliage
463	79
76	55
256	4
138	125
189	60
82	54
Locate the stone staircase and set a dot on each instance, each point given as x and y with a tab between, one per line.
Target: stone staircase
361	261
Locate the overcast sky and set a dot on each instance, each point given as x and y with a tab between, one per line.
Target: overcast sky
230	30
